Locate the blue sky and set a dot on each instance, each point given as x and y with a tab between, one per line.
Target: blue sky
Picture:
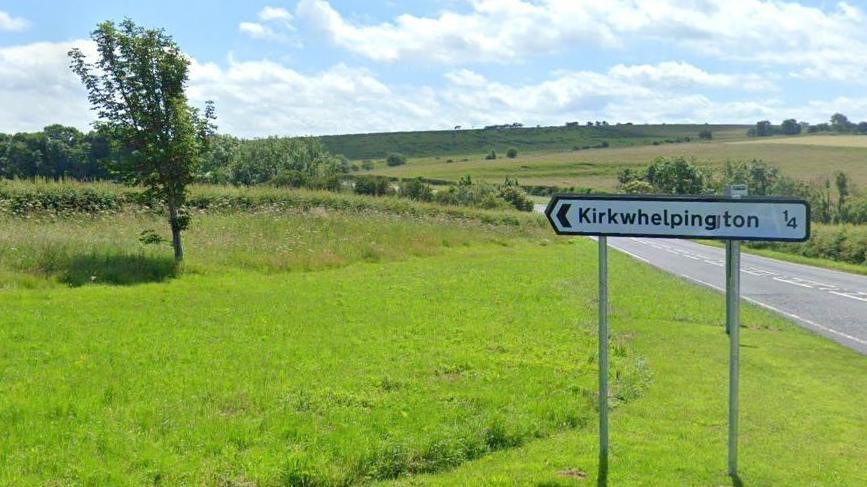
333	66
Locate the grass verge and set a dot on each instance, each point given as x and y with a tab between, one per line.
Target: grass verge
381	370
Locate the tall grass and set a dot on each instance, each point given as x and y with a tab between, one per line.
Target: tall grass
79	249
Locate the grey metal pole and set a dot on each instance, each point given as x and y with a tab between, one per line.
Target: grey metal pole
603	358
733	294
728	281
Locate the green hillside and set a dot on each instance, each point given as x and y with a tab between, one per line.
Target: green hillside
451	142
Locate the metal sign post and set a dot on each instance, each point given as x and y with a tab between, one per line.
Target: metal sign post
603	358
733	296
731	219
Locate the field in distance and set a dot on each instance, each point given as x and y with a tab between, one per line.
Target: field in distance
823	140
804	157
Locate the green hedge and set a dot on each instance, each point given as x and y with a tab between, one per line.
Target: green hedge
842	243
21	198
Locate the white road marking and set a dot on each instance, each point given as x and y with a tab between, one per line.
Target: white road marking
850	295
784	313
793	281
634	256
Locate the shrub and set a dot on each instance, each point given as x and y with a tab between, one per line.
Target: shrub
705	135
637	187
372	185
395	159
468	193
290	179
491	155
367	164
516	197
328	183
512	153
604	144
415	189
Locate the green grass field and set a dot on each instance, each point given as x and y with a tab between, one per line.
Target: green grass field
323	346
598	168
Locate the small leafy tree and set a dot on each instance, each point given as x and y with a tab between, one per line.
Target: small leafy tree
372	185
763	128
491	155
841	181
512	153
395	159
840	122
676	175
415	189
790	127
137	86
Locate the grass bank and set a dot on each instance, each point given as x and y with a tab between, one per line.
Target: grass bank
384	370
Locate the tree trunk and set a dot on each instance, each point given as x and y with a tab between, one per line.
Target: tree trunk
176	233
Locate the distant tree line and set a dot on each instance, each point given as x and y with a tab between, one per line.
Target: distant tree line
839	123
833	198
59	152
54	153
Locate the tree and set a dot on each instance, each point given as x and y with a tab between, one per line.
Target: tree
137	86
840	122
862	127
676	175
512	153
491	155
395	159
841	180
790	127
763	128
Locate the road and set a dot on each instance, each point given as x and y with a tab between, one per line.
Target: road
831	303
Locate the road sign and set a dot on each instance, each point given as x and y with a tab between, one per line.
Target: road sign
733	218
779	219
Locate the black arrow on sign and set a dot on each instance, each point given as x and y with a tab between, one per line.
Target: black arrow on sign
561	215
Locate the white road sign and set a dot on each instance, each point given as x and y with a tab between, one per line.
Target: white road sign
781	219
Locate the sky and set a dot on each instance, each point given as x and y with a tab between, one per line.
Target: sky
314	67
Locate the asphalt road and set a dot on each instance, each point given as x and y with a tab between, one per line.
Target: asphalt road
831	303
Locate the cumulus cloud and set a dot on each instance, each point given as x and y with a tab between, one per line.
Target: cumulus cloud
270	14
262	97
274	24
821	42
496	31
672	74
12	24
37	88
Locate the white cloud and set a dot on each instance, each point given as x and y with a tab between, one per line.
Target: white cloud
496	31
12	24
671	74
269	14
820	42
257	31
262	97
274	24
37	88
